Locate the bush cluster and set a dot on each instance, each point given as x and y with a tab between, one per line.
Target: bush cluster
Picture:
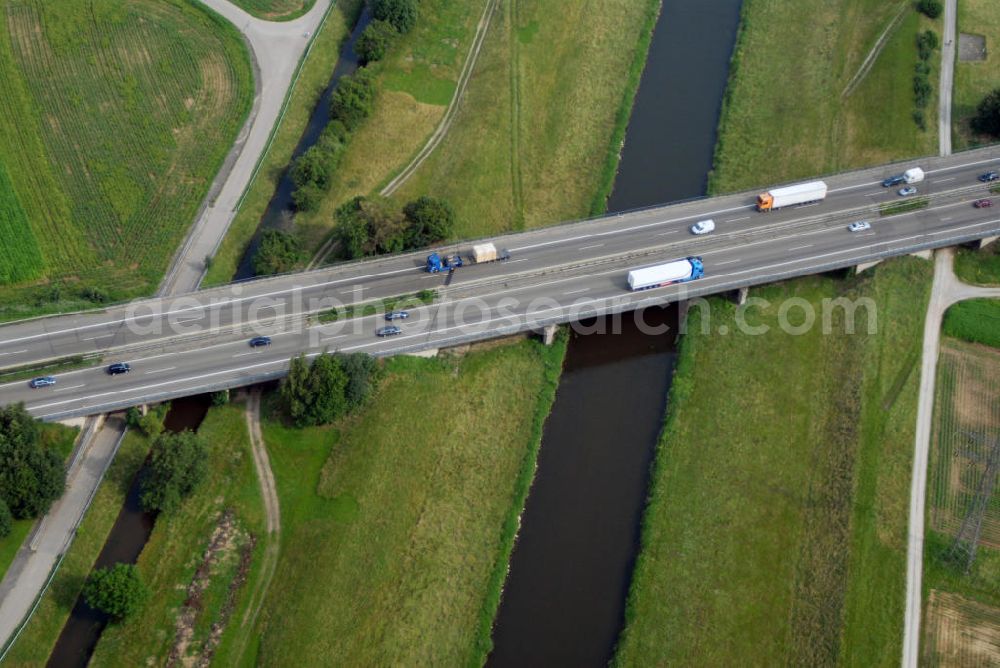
372	227
177	465
931	8
328	388
987	118
400	14
277	253
927	42
375	41
117	591
31	476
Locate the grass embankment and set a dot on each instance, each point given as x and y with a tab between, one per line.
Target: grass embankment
403	302
114	120
224	518
976	320
974	79
979	267
962	608
905	206
397	524
313	79
276	10
416	83
61	439
39	637
776	528
540	128
784	116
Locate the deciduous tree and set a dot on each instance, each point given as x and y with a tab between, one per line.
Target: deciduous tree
177	465
117	591
31	476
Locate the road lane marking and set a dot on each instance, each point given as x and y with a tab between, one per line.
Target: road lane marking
71	387
169	368
945	220
15	352
950	178
589	247
576	292
734	220
719	264
795	248
99	336
663	234
250	352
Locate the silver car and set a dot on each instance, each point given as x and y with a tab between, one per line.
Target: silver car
859	226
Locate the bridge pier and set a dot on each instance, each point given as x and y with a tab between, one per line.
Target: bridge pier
926	254
865	266
986	241
548	334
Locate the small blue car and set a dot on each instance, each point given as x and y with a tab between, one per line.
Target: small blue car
43	381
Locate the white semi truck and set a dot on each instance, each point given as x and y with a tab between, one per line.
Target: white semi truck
801	193
678	271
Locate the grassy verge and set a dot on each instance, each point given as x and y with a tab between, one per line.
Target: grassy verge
229	509
39	637
974	79
115	119
54	436
56	366
383	306
776	527
313	79
904	206
416	80
397	522
784	116
976	320
276	10
539	131
979	267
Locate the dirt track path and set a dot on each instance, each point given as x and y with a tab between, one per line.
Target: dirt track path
272	513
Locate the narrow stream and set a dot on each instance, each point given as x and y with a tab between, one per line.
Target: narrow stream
564	599
280	211
128	536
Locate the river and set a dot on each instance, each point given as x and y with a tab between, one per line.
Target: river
124	544
280	210
564	599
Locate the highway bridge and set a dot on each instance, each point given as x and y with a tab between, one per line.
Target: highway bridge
198	342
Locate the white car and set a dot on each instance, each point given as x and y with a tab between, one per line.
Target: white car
703	226
859	226
907	191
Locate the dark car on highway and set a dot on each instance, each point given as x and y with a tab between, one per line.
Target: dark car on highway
893	181
989	176
42	381
982	203
388	330
397	315
119	368
259	341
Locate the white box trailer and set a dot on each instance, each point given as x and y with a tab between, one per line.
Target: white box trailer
659	275
913	175
484	253
801	193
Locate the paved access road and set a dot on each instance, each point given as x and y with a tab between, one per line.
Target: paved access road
276	47
199	342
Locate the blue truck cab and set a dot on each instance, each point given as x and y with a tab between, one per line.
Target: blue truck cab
436	263
697	268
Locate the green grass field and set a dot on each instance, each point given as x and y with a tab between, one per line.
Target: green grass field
114	119
276	10
531	144
962	608
398	523
39	637
313	79
979	267
61	438
776	528
176	549
976	320
784	116
974	79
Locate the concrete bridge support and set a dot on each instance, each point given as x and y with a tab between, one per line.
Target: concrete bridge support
548	334
986	241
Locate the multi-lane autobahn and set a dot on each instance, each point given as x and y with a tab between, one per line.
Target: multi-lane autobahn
198	342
